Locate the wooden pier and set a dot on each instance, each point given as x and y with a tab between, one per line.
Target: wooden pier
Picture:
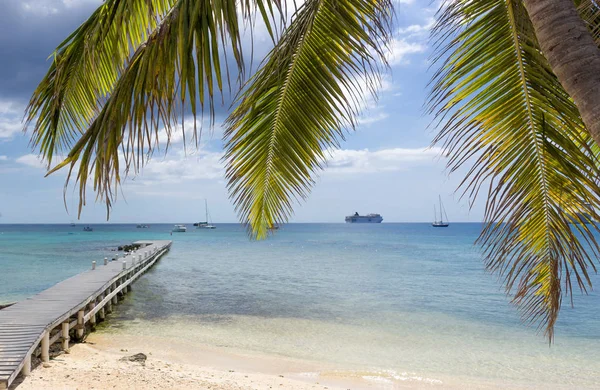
28	328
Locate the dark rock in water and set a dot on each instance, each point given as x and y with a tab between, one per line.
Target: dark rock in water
138	358
129	247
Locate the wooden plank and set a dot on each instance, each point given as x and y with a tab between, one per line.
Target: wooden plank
17	337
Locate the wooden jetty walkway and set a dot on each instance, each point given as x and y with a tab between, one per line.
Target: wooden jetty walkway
28	328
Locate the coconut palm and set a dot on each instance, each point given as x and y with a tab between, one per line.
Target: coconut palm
137	66
504	115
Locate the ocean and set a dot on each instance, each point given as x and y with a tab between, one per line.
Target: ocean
397	302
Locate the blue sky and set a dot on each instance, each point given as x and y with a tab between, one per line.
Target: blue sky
385	166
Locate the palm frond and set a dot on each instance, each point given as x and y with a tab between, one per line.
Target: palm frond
590	13
84	70
500	107
179	65
298	104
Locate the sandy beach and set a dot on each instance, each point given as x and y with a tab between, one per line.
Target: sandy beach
101	363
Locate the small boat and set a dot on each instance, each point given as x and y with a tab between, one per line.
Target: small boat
206	224
73	224
142	226
88	229
274	227
440	222
179	229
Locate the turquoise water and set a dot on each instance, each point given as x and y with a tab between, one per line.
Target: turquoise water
406	301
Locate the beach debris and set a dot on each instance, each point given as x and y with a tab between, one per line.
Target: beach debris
137	358
129	247
5	305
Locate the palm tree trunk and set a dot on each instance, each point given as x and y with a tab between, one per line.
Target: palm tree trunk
572	53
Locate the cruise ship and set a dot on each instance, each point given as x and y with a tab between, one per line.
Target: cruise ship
369	218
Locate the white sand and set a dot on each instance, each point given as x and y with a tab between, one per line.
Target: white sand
88	367
96	364
173	364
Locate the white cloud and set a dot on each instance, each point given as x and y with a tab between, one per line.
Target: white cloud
371	118
369	108
53	7
417	29
203	127
347	161
400	48
9	127
179	168
35	161
31	160
3	158
159	175
10	119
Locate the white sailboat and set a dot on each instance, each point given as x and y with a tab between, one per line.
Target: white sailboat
440	222
207	224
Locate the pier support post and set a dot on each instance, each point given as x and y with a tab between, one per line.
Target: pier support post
65	336
26	370
80	324
106	261
46	347
115	299
94	265
93	317
110	301
123	291
101	313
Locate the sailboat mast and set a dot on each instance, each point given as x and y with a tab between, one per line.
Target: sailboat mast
441	208
205	210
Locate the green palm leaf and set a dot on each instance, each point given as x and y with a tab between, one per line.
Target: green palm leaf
121	88
590	13
501	107
298	104
84	70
